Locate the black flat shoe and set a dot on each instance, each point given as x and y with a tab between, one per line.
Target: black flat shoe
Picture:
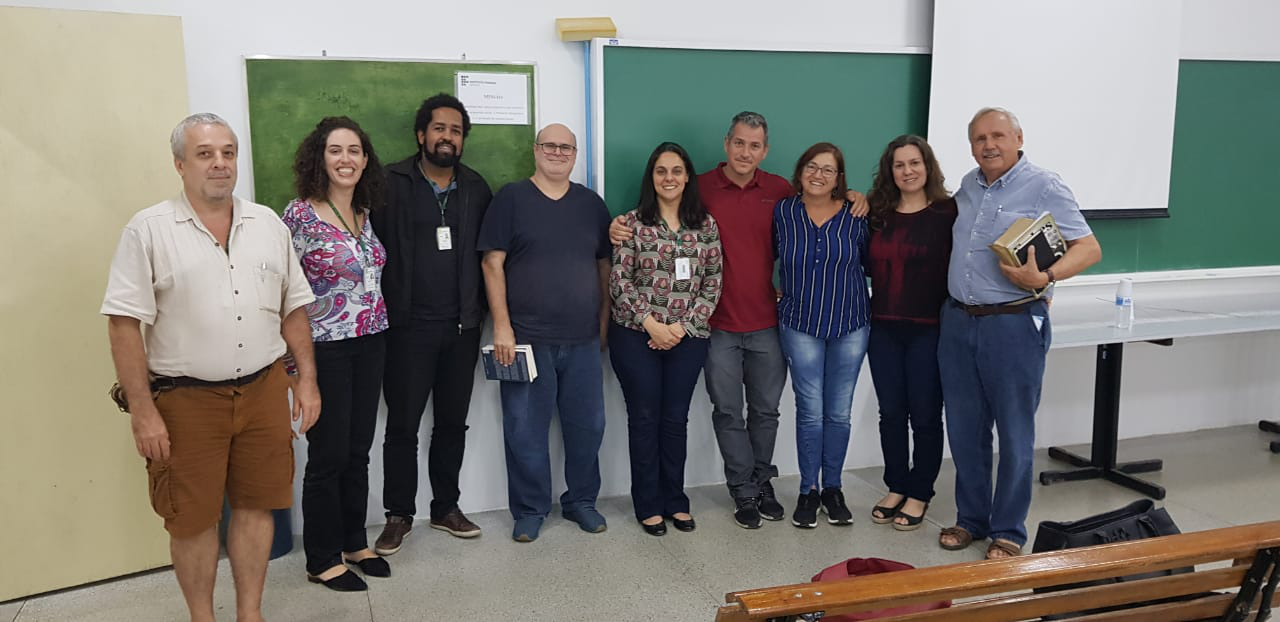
345	582
683	525
373	566
659	529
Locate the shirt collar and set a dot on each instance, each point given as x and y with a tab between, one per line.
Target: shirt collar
453	185
453	180
725	182
185	212
1008	176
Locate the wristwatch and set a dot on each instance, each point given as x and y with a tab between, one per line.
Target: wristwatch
1049	273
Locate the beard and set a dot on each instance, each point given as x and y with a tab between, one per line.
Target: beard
442	160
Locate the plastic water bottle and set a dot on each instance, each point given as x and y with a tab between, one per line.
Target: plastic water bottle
1124	304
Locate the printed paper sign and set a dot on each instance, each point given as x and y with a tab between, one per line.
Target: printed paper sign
494	98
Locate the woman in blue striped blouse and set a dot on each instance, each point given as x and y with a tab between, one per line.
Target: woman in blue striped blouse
823	319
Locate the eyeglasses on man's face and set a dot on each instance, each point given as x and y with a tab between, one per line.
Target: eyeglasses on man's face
554	148
823	171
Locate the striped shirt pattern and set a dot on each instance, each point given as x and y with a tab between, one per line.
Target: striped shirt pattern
823	283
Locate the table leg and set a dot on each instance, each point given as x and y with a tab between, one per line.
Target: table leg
1106	427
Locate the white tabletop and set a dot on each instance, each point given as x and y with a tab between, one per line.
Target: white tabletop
1085	316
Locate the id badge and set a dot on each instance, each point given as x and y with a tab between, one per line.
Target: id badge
370	281
683	273
444	239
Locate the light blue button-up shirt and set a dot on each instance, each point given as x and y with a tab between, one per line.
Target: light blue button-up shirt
987	210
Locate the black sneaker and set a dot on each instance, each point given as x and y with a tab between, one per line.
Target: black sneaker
748	514
770	509
806	515
833	504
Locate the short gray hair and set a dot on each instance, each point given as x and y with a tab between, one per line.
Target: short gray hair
1013	119
178	139
749	119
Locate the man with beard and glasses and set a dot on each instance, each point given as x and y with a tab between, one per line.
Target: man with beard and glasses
435	304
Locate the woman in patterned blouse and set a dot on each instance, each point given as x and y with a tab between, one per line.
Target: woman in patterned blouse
665	284
338	180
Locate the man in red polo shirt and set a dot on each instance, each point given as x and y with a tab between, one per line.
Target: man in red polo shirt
745	358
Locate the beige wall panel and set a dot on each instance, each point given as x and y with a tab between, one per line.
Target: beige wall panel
88	102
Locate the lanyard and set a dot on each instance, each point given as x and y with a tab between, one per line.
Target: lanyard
363	249
443	204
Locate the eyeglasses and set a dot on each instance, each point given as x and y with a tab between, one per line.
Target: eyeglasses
554	148
825	171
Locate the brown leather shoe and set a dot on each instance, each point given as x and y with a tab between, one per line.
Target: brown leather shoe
393	534
457	524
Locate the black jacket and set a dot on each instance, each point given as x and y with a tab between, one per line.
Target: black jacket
394	226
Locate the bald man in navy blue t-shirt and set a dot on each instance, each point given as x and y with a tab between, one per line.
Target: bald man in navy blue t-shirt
546	269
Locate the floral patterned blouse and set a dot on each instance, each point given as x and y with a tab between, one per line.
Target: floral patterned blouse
345	274
643	281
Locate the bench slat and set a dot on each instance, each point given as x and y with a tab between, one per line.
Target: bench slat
1027	605
975	579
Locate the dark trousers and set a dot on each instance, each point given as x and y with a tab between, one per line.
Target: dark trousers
657	386
426	360
904	368
335	484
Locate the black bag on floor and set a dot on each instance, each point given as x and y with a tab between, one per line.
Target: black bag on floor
1136	521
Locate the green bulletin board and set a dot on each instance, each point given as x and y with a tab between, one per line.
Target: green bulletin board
287	97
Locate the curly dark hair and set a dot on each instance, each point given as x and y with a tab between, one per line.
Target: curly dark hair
440	100
311	180
885	195
691	211
842	186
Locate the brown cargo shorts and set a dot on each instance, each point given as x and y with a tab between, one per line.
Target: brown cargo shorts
223	441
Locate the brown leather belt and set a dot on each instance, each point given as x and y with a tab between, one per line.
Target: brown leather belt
1009	308
165	383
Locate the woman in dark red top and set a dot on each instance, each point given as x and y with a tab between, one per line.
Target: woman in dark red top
911	219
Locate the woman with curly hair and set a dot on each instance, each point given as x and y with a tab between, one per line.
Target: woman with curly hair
911	219
339	180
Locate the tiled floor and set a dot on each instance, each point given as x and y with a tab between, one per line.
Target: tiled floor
1215	478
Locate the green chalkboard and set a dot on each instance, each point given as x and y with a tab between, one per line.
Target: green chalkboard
287	97
1222	212
857	101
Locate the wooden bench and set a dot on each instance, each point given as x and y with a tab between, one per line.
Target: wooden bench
987	591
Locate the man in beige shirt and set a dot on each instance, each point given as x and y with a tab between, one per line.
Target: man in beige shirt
221	293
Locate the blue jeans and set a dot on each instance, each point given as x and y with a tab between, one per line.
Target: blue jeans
657	385
570	379
823	374
904	367
992	368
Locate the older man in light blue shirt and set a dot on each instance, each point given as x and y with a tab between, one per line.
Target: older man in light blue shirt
996	331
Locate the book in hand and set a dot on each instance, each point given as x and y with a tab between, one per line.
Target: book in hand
523	369
1041	233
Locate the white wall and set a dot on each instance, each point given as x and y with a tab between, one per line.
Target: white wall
1165	390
